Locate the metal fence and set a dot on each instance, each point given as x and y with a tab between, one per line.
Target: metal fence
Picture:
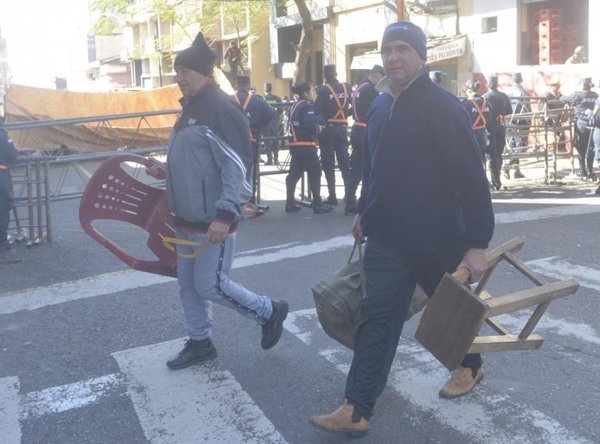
43	175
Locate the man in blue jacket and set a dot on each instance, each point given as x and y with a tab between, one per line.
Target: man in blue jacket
425	209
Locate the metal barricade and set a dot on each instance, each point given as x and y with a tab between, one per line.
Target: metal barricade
31	210
538	134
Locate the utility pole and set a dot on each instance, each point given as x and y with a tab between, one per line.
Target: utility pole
400	8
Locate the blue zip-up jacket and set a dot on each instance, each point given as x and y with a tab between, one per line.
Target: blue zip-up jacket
424	185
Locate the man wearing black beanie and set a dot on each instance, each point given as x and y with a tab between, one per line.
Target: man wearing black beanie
425	209
208	177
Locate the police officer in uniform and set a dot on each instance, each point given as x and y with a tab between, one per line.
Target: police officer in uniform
480	112
259	113
584	102
8	153
303	150
362	98
501	107
274	127
331	108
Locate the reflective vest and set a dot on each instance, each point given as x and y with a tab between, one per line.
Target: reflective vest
480	121
245	107
340	116
295	141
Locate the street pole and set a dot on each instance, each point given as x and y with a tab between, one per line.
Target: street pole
400	7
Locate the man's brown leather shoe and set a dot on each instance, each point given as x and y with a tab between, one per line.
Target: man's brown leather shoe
344	419
461	382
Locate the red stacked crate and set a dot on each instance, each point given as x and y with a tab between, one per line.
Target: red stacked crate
549	36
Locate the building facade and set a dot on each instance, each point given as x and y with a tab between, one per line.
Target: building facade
465	38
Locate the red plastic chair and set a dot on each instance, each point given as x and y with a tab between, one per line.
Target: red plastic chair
112	193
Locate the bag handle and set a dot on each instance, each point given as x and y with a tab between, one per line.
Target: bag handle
360	265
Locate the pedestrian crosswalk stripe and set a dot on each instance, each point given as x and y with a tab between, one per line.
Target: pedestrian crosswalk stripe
67	397
417	377
9	410
31	299
198	404
561	269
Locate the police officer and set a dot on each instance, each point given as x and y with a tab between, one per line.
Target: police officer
362	98
260	113
274	127
303	150
331	108
519	127
501	107
584	102
8	153
480	112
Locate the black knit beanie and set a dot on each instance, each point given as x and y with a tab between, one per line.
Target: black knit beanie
198	57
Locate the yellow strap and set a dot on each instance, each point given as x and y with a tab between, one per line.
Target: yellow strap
168	242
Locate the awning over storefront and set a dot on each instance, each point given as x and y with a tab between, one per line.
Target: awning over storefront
447	48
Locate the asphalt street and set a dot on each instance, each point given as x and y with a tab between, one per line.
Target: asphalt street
84	339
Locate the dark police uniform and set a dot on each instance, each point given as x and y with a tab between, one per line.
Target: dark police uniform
501	107
304	157
480	112
331	107
584	102
259	113
362	98
8	153
273	129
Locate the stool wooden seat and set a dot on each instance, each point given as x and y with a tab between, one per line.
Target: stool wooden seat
452	319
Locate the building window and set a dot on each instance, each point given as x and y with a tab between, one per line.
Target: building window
489	24
552	29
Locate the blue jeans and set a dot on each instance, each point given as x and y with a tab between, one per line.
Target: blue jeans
205	279
391	277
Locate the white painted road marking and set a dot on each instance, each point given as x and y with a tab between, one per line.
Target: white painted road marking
164	403
9	410
560	269
67	397
105	284
417	376
197	404
90	287
545	213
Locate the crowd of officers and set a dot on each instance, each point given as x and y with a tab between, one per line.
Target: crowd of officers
317	124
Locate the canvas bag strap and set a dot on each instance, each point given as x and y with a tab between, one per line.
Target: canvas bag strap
358	246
